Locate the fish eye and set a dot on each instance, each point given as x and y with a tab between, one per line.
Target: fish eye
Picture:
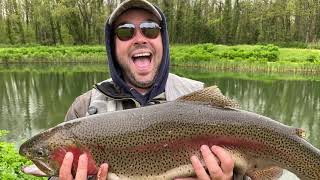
41	152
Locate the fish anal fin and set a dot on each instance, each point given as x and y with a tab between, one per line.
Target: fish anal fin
270	173
241	163
211	95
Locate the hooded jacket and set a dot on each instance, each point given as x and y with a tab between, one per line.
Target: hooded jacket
117	75
114	94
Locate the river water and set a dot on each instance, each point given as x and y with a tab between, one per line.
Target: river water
36	97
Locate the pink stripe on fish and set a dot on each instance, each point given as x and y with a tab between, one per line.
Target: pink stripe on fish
196	142
58	156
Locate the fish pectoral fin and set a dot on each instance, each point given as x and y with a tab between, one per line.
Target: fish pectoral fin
211	95
113	176
179	172
270	173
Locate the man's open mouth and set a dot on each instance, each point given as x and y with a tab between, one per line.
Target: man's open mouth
142	60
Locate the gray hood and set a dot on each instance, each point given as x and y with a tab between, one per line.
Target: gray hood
116	73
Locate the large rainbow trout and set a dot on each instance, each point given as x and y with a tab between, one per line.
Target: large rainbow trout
156	142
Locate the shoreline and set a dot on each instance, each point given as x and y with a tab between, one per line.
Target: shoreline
225	66
243	58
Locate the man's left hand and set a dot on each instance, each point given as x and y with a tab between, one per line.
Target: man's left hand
222	171
65	169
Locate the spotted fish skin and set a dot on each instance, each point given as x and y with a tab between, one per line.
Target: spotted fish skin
156	142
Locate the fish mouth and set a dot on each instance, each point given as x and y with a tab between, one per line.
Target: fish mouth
33	170
44	166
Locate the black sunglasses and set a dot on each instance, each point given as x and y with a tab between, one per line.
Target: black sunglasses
126	31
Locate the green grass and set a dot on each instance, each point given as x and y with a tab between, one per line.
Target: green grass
11	162
299	55
52	54
55	68
237	58
205	74
243	53
204	53
247	58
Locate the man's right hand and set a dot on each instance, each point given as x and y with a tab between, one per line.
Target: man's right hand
65	169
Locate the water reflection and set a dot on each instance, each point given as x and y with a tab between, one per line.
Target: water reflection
32	101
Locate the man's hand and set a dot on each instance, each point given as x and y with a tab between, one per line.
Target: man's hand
224	171
65	169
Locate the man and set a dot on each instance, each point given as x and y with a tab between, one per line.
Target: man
138	55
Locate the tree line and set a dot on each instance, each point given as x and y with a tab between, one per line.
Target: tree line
52	22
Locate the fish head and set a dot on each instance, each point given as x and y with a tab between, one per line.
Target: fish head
46	150
38	151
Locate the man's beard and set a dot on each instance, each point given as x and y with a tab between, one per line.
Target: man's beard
129	77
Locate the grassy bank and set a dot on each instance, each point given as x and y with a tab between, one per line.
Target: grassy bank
11	162
235	58
52	54
247	58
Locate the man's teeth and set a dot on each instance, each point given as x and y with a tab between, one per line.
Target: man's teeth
141	55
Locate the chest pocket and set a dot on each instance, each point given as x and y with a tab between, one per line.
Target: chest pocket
100	103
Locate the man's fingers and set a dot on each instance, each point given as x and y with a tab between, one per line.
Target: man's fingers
103	172
65	169
82	167
211	162
198	168
224	156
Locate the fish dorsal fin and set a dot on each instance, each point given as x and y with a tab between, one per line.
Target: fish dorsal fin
300	132
270	173
211	95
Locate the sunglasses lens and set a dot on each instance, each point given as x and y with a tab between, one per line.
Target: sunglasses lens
150	29
124	33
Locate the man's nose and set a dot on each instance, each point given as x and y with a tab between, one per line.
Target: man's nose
139	38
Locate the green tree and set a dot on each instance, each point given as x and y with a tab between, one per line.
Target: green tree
189	21
227	20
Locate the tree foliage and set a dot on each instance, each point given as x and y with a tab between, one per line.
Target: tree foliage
190	21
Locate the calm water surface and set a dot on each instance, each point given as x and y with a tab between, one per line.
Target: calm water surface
35	98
